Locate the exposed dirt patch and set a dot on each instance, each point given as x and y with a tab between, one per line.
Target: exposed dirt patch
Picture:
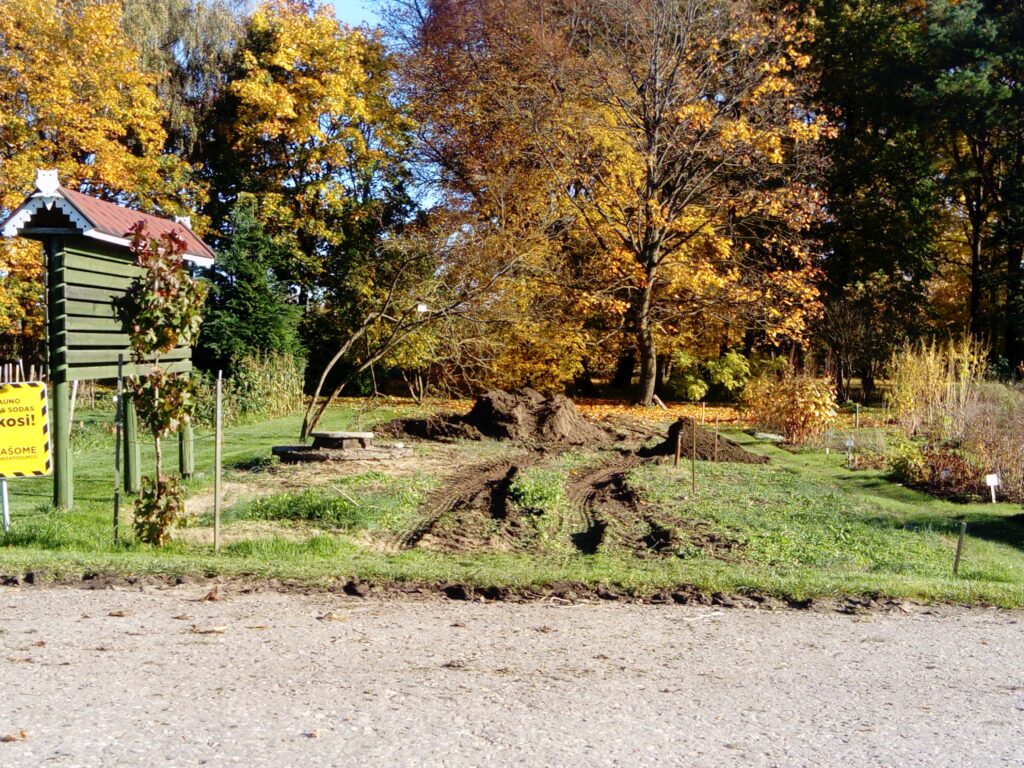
232	492
439	426
230	587
474	513
686	434
522	416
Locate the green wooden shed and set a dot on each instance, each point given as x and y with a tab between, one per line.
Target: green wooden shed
89	265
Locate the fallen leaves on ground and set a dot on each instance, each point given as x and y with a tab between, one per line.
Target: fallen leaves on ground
11	737
200	630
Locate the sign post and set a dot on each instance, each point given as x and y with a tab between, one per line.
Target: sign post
24	436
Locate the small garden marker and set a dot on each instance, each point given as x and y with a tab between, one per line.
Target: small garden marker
992	481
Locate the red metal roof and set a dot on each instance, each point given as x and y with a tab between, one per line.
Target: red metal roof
116	221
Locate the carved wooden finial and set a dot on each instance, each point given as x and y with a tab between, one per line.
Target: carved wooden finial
47	181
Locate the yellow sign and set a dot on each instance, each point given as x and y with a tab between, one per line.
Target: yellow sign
24	430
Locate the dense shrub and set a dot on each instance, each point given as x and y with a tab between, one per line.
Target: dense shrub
724	377
799	408
907	463
994	434
940	471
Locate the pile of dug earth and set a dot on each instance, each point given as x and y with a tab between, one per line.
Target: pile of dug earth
527	417
522	416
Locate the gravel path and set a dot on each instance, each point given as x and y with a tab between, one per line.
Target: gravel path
121	677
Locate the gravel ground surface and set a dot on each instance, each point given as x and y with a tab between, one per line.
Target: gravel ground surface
156	676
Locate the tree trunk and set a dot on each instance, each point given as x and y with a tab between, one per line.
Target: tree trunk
976	279
839	376
584	382
1014	307
623	376
645	346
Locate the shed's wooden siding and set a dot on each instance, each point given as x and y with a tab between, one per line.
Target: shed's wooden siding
86	336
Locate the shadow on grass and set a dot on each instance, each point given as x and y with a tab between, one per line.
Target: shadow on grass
999	528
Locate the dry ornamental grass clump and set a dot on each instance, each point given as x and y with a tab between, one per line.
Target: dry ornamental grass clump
933	387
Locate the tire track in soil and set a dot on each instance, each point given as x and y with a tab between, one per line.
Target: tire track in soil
608	506
482	495
611	510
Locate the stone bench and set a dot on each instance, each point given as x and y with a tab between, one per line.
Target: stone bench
343	441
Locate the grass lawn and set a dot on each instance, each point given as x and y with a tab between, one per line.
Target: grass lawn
801	526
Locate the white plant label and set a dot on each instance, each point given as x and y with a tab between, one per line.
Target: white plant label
992	481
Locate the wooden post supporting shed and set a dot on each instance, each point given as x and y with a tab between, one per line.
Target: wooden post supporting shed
89	266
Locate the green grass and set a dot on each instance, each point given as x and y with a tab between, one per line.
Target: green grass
804	525
370	501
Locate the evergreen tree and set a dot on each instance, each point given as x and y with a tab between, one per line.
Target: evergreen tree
247	310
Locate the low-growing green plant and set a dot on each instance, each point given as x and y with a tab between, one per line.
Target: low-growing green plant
311	505
371	500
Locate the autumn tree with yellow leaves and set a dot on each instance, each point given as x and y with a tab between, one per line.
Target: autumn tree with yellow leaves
663	153
74	97
475	75
306	128
692	160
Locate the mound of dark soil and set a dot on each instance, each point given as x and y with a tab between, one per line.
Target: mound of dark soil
440	426
526	416
727	450
522	416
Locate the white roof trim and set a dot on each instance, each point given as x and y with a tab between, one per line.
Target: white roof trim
199	261
22	217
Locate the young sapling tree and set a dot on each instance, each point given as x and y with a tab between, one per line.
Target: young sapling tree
162	310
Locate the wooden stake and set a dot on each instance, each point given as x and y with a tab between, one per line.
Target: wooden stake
959	548
216	468
63	490
118	411
6	510
679	445
716	439
693	456
702	408
131	478
186	451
